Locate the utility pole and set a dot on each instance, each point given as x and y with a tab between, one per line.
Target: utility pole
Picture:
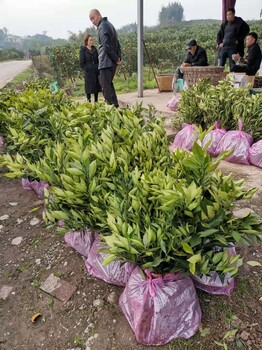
140	63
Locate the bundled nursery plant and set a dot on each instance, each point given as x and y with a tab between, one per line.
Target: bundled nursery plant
165	212
203	104
169	214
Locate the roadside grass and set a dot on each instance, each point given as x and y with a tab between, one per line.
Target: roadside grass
21	78
122	83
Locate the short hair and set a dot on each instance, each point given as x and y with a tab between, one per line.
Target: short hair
86	38
254	35
231	9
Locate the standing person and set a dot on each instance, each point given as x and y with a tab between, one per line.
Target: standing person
249	65
109	55
230	37
88	60
195	56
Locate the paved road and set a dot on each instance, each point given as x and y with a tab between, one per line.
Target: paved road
10	69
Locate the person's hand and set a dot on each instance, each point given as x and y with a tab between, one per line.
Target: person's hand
118	61
185	64
236	57
220	45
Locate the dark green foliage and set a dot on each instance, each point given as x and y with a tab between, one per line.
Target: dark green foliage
11	54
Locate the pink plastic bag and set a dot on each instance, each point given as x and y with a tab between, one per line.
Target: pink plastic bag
160	309
255	154
186	137
238	141
37	186
214	136
212	283
114	273
81	241
174	103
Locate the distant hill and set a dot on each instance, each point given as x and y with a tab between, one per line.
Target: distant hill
34	43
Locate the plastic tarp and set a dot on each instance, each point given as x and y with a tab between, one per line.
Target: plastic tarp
37	186
116	272
186	137
255	154
237	141
214	137
212	283
81	241
174	103
160	309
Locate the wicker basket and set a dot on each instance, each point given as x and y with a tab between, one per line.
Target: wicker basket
165	82
194	74
258	82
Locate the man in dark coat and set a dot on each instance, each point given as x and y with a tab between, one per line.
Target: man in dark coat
249	65
230	37
109	55
195	56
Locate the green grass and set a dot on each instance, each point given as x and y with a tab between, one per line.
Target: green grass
78	341
19	80
123	84
58	274
50	301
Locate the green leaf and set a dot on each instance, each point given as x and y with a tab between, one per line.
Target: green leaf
192	268
207	233
108	259
217	257
186	247
92	169
223	345
239	344
194	241
236	235
254	263
163	246
230	334
194	259
75	171
59	215
204	331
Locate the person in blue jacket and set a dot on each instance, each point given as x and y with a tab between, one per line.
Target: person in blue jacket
88	59
109	55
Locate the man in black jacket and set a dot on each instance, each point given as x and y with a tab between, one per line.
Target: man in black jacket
249	65
230	37
109	55
195	56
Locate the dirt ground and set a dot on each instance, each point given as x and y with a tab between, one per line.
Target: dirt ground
85	323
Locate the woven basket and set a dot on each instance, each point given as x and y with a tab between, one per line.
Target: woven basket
165	82
194	74
258	82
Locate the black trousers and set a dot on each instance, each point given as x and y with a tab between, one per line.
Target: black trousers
106	77
226	53
88	96
242	69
